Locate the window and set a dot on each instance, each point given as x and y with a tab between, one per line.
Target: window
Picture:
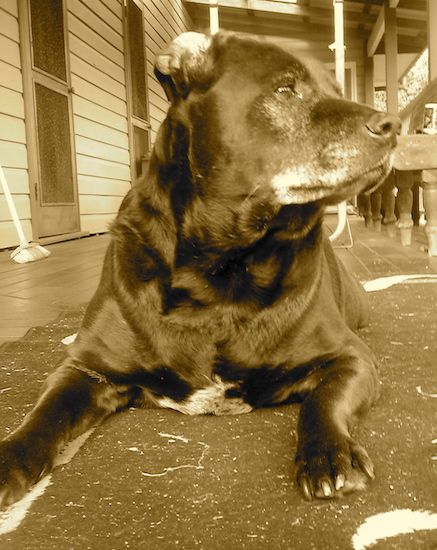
137	88
48	50
53	127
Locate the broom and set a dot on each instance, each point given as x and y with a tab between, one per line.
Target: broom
26	252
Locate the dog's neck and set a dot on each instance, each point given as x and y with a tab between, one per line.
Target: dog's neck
257	275
253	256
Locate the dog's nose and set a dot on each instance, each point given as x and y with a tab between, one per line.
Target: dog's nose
384	125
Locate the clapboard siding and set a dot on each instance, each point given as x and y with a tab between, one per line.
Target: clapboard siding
99	26
10	51
12	129
13	153
95	95
11	102
18	180
88	36
102	186
99	205
102	168
99	107
98	132
9	26
164	20
100	150
11	78
22	205
101	115
96	223
11	7
113	5
96	56
88	54
96	76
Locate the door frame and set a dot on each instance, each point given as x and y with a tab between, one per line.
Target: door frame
32	75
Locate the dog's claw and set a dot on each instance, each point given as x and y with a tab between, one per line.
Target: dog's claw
325	471
326	488
366	464
305	484
339	482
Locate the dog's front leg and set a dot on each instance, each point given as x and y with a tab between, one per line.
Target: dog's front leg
328	461
73	401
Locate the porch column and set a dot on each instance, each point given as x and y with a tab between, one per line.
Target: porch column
213	16
339	42
368	81
432	39
391	58
429	177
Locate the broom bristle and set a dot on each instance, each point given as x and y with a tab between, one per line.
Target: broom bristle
29	253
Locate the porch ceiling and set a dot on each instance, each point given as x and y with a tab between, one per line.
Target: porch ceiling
313	20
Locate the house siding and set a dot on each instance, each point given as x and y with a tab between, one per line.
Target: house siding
164	21
13	154
99	109
99	97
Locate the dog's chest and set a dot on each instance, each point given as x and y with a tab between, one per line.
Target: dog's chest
212	399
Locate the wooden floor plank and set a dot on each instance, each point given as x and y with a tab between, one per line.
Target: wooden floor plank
36	293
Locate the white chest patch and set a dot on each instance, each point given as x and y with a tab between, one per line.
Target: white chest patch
209	400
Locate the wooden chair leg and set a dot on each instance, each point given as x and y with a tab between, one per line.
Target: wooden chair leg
364	209
429	183
376	203
388	205
404	183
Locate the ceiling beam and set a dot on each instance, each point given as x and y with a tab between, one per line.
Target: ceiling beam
279	7
376	34
416	15
394	3
200	10
260	26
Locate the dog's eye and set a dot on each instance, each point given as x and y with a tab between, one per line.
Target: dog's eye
289	89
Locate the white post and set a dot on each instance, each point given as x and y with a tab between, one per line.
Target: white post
432	39
339	75
339	42
213	16
391	58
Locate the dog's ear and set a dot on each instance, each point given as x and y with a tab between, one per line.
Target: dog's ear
183	64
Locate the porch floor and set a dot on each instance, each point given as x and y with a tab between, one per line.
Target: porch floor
37	293
157	479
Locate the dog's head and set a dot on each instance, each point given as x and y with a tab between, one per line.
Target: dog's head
259	123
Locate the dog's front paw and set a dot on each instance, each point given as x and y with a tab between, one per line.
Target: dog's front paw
327	469
20	468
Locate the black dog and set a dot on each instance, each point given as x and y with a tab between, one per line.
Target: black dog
219	292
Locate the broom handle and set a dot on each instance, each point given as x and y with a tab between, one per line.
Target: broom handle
11	205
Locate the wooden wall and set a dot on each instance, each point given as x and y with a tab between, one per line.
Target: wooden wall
164	21
13	154
100	115
99	109
99	101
